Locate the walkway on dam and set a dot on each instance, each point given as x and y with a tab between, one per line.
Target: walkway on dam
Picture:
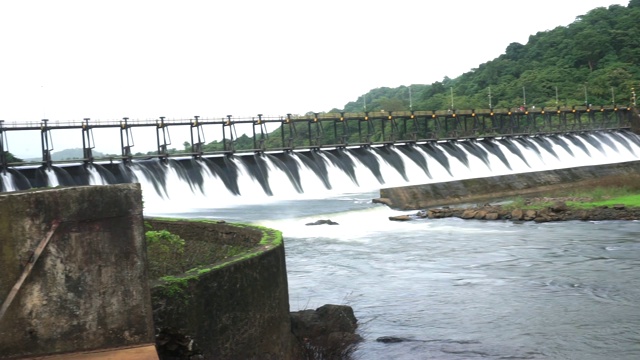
330	130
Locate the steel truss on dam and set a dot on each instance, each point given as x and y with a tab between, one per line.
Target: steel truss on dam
372	128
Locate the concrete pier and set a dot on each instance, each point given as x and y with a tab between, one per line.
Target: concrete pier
87	290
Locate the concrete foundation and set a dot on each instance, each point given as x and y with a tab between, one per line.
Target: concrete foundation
88	290
232	308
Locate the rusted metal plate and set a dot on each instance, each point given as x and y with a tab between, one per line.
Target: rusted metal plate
146	352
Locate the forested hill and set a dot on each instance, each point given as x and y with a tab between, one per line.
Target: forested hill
594	59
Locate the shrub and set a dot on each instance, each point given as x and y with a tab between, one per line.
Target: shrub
165	253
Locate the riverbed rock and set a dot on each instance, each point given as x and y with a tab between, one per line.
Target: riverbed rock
439	213
469	214
529	215
385	201
559	206
480	214
492	216
517	214
392	339
322	222
327	332
558	211
400	218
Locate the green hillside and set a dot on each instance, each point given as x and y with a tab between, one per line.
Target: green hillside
594	60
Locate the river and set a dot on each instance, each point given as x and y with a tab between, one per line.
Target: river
452	289
461	289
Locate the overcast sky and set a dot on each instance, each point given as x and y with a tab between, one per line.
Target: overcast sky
68	60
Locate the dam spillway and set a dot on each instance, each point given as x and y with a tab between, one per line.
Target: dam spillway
227	180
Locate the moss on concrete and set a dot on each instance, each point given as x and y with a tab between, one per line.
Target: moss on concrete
175	285
235	305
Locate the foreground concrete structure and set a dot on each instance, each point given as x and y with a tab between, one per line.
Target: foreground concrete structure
232	307
472	191
88	288
76	284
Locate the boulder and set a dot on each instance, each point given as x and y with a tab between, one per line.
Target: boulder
327	332
323	222
480	214
384	201
517	214
530	215
392	339
438	213
492	216
469	214
559	206
400	218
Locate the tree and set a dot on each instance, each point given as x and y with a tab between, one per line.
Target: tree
11	158
600	49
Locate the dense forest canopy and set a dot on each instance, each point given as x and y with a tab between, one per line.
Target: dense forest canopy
594	60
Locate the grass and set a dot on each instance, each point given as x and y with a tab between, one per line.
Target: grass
583	199
627	200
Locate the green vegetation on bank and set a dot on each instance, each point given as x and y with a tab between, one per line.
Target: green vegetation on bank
584	199
627	200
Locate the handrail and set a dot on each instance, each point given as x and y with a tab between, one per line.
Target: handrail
27	269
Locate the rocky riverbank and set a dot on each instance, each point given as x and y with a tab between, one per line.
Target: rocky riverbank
558	211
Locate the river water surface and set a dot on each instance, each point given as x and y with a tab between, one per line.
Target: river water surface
462	289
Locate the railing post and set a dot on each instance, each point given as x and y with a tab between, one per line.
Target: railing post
126	137
335	129
260	145
366	119
228	144
285	121
162	146
344	139
289	143
4	161
394	127
196	146
87	142
47	143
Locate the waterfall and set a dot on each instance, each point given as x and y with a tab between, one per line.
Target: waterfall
6	182
227	181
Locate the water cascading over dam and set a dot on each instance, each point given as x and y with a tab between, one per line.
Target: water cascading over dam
221	181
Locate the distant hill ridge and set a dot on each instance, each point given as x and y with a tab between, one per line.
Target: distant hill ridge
71	154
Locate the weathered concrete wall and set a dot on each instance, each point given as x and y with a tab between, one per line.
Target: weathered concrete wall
89	289
235	308
498	187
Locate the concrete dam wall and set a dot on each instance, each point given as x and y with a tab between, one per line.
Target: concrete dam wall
472	191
